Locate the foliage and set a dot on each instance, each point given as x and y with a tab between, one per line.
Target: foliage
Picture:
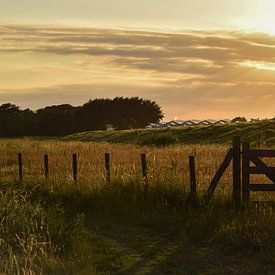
121	113
55	120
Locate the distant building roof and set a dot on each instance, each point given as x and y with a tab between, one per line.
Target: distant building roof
193	122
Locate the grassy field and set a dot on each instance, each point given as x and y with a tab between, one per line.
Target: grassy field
97	227
259	133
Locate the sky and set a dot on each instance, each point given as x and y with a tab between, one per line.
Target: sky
198	59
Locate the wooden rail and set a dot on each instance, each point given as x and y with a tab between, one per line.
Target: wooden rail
214	183
262	187
260	168
260	153
259	163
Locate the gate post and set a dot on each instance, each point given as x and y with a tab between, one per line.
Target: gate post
236	171
245	173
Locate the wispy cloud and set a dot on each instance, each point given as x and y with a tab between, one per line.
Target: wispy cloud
192	73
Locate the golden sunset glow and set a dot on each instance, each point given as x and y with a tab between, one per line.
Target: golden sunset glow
54	52
258	65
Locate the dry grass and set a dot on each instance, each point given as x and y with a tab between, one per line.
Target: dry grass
164	163
167	165
167	211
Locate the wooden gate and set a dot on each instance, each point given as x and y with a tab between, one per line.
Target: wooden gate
242	157
233	155
259	168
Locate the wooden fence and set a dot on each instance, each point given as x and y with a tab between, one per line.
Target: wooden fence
240	155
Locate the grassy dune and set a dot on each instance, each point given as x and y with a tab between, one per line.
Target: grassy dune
96	227
259	133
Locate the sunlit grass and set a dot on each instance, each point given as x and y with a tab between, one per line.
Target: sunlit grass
164	163
41	220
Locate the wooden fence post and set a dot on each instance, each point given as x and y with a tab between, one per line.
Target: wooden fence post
20	167
237	171
75	168
108	167
193	182
46	166
144	171
245	174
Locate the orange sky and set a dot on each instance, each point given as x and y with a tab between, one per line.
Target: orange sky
194	67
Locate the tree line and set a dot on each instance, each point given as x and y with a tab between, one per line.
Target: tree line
119	113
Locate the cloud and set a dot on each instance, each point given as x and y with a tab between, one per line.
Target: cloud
145	50
192	73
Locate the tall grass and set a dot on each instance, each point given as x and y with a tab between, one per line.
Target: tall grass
168	165
38	238
46	225
164	163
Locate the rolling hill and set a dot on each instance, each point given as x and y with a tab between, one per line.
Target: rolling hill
259	133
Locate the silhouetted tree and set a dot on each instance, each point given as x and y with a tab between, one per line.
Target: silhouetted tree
28	119
10	122
94	115
134	113
55	120
120	112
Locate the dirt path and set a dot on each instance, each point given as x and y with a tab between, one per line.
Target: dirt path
143	251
